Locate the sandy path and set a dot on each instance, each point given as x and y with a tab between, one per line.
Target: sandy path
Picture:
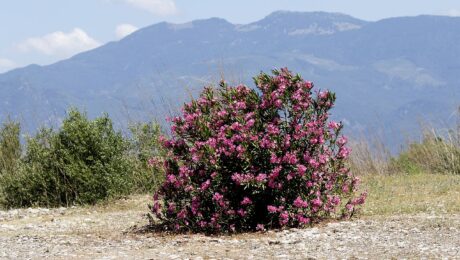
99	232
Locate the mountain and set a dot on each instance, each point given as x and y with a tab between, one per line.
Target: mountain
388	74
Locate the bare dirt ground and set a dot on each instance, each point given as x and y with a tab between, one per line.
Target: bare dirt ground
103	232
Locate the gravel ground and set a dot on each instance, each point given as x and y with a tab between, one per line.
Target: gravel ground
101	233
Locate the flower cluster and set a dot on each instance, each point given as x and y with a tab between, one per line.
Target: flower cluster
242	159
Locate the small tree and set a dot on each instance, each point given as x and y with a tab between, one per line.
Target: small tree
239	159
144	145
83	162
10	146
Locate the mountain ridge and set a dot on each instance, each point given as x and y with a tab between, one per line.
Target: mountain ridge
378	69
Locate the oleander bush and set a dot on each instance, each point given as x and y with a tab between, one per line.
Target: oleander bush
242	159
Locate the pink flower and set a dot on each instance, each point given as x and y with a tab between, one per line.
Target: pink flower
217	197
333	125
156	207
182	214
335	200
284	218
240	105
344	152
195	157
323	94
316	202
360	200
195	205
266	143
205	185
287	141
342	140
260	227
303	220
278	103
222	113
313	163
290	158
240	149
171	207
345	188
183	170
275	172
171	178
349	207
272	129
272	209
261	177
301	169
236	126
274	159
242	178
299	203
202	224
232	227
297	96
246	201
212	142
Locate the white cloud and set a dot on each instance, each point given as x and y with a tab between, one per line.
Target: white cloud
453	12
6	64
60	44
157	7
124	30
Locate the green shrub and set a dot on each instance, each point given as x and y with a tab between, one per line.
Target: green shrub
433	155
10	146
144	145
83	162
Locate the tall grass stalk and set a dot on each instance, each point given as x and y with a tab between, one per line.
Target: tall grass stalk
436	152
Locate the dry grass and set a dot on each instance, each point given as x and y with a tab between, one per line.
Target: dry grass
437	152
411	194
369	157
388	195
134	203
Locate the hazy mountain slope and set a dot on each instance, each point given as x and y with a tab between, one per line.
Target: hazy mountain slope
387	74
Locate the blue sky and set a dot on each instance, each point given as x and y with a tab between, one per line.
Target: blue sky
46	31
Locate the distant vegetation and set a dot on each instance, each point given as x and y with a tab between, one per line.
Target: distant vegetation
435	153
82	162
